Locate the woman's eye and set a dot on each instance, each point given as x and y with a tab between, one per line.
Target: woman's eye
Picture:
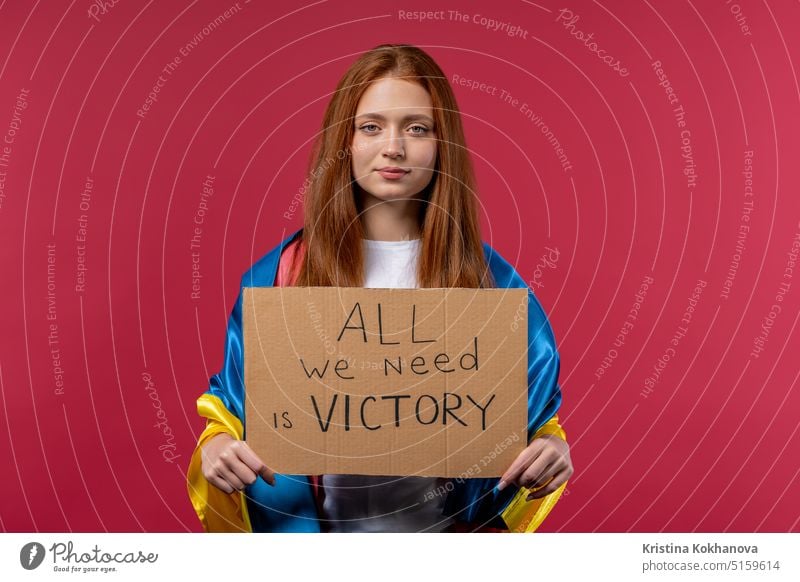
415	129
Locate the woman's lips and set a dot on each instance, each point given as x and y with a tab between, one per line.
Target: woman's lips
392	174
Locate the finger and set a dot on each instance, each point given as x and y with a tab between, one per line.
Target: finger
255	464
230	477
220	483
268	475
558	480
243	473
520	464
537	474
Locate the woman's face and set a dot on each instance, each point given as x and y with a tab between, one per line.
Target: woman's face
394	129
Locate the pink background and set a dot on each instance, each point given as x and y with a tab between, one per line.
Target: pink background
708	448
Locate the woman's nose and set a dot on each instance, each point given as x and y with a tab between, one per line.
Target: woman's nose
394	145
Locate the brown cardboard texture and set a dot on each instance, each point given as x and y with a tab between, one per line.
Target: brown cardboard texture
351	380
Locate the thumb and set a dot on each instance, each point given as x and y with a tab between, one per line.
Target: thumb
267	474
254	463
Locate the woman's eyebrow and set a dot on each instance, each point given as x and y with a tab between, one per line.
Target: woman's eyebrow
405	117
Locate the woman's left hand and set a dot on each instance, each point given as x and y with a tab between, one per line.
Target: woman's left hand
545	459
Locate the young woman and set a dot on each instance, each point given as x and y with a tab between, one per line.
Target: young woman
391	204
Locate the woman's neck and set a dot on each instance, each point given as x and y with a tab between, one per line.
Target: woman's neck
390	221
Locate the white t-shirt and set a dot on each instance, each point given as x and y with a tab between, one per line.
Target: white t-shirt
361	503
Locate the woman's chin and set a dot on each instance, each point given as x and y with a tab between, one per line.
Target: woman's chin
390	192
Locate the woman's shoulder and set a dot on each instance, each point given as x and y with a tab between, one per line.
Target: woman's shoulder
265	271
507	276
503	272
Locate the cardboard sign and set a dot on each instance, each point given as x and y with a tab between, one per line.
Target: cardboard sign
350	380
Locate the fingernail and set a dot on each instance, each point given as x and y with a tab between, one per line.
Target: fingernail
501	485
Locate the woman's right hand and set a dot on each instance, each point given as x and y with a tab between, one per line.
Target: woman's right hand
231	465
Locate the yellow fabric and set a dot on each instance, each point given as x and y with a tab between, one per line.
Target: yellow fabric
523	516
227	512
218	511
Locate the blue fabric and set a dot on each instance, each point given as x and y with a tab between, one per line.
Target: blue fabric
290	505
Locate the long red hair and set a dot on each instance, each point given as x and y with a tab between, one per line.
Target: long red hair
451	253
